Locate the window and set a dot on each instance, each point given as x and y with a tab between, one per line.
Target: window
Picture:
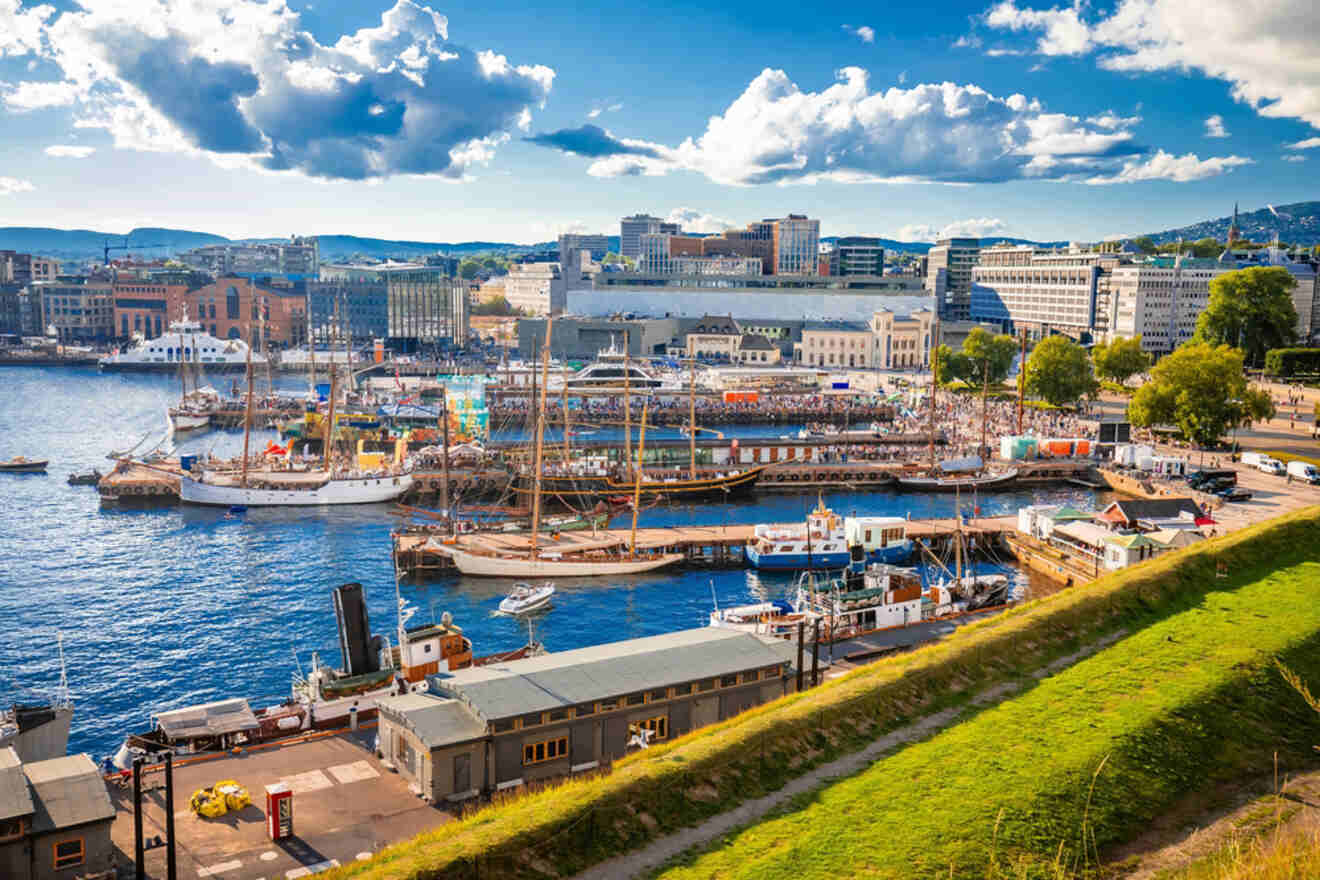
682	689
558	715
635	699
706	684
546	750
661	694
504	725
11	828
608	705
68	854
231	303
584	709
770	672
531	720
728	681
659	727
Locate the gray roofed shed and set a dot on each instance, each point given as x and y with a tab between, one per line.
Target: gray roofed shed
435	720
566	678
67	792
15	800
208	719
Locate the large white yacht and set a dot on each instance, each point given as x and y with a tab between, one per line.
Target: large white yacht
185	341
608	371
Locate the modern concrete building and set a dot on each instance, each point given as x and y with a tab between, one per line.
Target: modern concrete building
1160	300
79	312
796	245
386	271
21	269
956	257
536	288
425	312
295	260
492	728
571	246
656	258
857	255
1042	290
356	311
55	818
575	338
632	228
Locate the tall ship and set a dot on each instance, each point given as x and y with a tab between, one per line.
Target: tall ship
326	698
829	541
185	342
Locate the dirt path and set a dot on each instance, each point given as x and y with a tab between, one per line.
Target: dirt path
655	854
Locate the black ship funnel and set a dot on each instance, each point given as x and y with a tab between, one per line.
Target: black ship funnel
354	631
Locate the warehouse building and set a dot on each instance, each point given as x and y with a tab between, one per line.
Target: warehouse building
55	818
489	728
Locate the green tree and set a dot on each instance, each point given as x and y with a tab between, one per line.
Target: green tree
1205	248
1251	309
1200	388
1120	360
468	268
983	350
1144	243
496	305
1059	371
950	366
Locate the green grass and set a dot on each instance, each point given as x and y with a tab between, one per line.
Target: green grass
1287	457
576	823
1048	779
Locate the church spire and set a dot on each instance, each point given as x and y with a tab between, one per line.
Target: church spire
1234	232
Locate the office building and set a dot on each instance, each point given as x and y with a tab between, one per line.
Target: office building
296	260
796	244
1041	290
266	315
835	344
11	310
656	257
957	257
490	728
21	269
81	312
733	244
55	818
857	255
536	288
1160	300
426	312
146	306
386	271
356	312
632	228
572	244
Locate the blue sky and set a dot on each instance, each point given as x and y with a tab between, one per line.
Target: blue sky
455	122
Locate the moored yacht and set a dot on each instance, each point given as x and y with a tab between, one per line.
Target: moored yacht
829	541
185	342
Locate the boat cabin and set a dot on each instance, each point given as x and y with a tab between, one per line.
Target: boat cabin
433	647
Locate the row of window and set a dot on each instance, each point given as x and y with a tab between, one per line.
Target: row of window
546	750
640	698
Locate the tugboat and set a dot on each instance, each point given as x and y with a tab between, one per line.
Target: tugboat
829	541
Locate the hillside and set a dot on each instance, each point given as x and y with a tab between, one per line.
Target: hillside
1298	223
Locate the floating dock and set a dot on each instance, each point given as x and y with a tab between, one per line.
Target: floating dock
422	552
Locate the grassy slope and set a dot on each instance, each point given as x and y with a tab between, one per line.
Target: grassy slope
582	821
1184	702
1277	855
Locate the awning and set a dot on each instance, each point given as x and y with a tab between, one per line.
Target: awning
207	719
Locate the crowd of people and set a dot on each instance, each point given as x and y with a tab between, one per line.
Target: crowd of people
784	409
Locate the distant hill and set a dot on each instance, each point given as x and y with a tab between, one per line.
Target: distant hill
1298	224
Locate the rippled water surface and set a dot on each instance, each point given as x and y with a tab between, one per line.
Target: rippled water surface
164	608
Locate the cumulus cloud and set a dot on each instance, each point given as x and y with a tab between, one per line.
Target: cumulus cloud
1267	59
22	30
864	33
1308	144
1214	127
596	111
67	151
244	83
973	227
27	96
775	132
692	220
1166	166
1294	158
11	185
1111	120
591	141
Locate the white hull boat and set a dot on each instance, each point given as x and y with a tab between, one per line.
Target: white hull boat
321	491
526	598
524	567
187	423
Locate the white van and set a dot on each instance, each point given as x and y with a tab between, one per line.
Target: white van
1300	470
1253	459
1270	466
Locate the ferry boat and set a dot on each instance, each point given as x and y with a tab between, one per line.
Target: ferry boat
185	342
829	541
609	370
326	698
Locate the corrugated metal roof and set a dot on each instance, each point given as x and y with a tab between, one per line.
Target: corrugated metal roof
15	800
1087	533
207	719
67	791
436	720
551	681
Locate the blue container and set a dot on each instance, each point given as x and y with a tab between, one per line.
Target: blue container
187	461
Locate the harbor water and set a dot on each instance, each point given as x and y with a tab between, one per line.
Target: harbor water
167	607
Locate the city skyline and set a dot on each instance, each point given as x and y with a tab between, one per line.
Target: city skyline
450	123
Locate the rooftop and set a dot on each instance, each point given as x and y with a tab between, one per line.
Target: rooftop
66	792
435	720
15	800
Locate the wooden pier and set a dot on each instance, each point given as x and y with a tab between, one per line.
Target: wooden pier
422	551
137	483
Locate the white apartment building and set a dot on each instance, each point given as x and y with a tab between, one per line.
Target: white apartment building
957	257
631	229
1040	289
841	344
536	288
1160	300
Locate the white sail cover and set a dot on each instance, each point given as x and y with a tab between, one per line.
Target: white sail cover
207	719
959	465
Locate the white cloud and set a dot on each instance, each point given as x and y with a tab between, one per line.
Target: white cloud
1265	56
246	85
973	227
692	220
1110	119
26	96
1294	158
68	151
11	185
865	33
1214	127
22	30
902	77
594	112
1166	166
1308	144
943	132
970	41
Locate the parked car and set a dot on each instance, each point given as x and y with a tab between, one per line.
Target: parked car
1202	478
1234	493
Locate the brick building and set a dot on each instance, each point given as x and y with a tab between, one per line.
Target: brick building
235	308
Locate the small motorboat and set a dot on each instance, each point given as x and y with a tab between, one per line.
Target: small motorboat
87	478
21	465
526	598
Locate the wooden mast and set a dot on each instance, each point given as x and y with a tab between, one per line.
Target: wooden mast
563	403
247	413
627	407
934	383
692	418
328	436
444	461
985	391
1022	380
637	482
540	436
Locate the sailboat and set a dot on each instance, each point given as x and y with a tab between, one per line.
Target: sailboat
290	486
572	559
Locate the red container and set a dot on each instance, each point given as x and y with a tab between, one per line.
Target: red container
279	811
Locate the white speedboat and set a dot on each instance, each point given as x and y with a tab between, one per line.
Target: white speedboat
184	343
526	598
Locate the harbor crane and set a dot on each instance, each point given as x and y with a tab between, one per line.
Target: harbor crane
126	246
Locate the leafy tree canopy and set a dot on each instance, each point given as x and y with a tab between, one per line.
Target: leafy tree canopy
1145	244
468	268
984	350
496	305
1060	372
1200	388
1121	359
1251	309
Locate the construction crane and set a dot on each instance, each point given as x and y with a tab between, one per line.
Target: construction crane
126	246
